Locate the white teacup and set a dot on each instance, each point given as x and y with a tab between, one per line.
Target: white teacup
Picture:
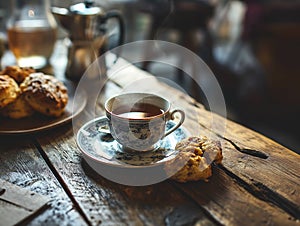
137	121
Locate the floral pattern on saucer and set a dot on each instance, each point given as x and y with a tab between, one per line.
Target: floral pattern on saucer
103	148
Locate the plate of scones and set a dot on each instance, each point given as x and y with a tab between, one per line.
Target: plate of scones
32	101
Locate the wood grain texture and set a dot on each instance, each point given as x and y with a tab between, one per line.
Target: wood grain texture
272	169
22	197
19	204
231	204
22	165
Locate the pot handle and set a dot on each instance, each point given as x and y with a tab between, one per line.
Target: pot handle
117	15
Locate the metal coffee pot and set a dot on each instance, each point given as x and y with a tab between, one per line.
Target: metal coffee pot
86	24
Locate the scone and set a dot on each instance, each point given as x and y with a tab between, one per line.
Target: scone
195	155
17	109
18	73
9	90
45	94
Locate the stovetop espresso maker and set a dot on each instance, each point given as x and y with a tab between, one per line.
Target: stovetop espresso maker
86	24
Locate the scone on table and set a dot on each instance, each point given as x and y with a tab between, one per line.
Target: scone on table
193	162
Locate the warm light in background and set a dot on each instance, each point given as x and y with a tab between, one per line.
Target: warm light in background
31	13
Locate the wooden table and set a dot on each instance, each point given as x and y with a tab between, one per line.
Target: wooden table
258	182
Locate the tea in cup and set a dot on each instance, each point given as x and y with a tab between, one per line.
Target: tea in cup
137	121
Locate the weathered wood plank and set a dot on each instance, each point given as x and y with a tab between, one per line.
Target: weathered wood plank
11	214
263	164
230	204
22	165
19	204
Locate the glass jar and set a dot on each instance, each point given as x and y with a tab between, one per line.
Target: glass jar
31	32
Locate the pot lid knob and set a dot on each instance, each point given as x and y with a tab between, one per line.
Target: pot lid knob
86	8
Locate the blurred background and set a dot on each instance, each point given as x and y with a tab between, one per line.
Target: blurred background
251	46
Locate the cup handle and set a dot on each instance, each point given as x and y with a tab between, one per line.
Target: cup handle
178	123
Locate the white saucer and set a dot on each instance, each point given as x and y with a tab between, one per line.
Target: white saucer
101	148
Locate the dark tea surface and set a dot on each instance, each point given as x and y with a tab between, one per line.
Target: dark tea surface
138	111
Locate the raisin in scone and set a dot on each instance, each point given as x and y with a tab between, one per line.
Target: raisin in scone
195	155
9	90
18	73
17	109
45	94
